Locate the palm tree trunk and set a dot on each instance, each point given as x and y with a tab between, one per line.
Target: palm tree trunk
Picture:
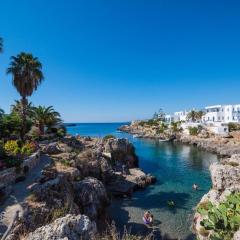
24	118
41	128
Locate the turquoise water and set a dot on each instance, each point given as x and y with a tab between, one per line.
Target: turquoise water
176	167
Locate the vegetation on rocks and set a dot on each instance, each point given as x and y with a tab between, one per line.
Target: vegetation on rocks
233	127
109	137
223	220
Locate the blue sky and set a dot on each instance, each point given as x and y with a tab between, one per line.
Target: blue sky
123	59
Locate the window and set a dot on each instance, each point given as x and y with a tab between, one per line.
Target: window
218	118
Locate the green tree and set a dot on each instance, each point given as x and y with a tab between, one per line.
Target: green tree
192	116
10	126
45	117
27	75
200	114
18	109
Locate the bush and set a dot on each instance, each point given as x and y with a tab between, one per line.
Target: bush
222	220
11	147
61	132
193	131
233	127
14	148
108	137
28	148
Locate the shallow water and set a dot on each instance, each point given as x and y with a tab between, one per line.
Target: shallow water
176	167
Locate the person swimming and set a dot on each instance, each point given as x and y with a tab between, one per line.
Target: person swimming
170	203
148	218
195	186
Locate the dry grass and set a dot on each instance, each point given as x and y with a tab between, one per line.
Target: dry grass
113	234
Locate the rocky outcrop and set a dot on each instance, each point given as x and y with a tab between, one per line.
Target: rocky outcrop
83	173
91	197
225	180
70	227
125	185
121	151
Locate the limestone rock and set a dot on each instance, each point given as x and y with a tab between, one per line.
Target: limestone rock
237	235
91	197
69	227
224	176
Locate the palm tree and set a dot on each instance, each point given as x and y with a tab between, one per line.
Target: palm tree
45	117
17	108
1	44
192	115
27	76
200	114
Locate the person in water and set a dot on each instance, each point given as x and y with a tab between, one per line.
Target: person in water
148	218
195	186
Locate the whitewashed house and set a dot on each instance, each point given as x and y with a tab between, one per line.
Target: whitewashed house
180	116
222	113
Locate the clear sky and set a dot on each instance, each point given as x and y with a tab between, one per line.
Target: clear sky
119	60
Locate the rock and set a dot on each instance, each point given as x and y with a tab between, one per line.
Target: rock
127	184
225	176
88	164
69	227
121	151
70	173
237	235
65	148
91	197
51	148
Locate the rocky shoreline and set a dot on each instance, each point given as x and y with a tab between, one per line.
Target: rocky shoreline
77	187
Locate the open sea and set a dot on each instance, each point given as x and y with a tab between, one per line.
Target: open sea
176	167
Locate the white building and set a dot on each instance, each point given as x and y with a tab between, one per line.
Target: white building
180	116
222	113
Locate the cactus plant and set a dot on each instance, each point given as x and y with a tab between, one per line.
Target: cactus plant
224	219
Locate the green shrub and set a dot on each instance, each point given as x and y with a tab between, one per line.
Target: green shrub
193	131
108	137
61	132
142	123
223	220
28	148
233	127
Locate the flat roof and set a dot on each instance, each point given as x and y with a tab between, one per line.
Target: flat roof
214	106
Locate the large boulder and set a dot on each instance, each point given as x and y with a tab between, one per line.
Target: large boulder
121	151
69	227
91	197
